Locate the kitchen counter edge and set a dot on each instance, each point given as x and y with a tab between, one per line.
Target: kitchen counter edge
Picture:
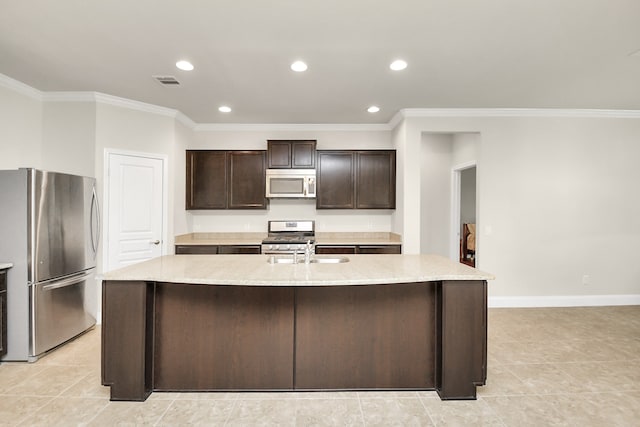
253	270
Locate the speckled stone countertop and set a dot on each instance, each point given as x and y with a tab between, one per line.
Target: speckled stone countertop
255	270
5	265
322	238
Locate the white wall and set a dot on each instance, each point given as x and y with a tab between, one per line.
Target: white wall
131	131
557	200
68	137
256	220
20	126
182	222
557	195
435	193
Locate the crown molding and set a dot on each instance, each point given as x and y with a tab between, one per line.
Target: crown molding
17	86
69	96
185	120
335	127
116	101
517	112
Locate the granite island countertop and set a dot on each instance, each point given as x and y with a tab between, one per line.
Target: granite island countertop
255	270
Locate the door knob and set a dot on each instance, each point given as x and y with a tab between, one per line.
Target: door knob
156	242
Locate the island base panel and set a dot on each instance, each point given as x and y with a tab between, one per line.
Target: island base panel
223	337
127	339
462	339
365	337
172	337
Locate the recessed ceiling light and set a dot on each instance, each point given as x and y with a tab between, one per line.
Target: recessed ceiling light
299	66
184	65
373	109
224	109
398	65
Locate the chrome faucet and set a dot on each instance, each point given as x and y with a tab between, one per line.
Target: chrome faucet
308	252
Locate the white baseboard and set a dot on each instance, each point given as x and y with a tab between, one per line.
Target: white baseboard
564	301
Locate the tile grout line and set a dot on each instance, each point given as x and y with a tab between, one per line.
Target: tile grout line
364	421
97	414
233	407
428	412
165	411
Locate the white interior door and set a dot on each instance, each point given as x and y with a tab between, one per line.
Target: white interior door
134	209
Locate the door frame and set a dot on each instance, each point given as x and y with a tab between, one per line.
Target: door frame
456	181
108	152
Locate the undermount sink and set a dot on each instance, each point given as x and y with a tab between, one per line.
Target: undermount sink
314	260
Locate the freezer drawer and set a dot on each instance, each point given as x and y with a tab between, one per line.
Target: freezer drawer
59	311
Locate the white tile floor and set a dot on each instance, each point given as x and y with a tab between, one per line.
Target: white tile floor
552	366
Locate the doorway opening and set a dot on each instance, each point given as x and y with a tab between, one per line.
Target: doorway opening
464	214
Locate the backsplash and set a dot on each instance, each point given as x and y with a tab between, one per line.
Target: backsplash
326	220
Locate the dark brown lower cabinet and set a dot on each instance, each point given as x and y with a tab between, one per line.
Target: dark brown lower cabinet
196	249
358	249
335	249
3	312
218	249
180	337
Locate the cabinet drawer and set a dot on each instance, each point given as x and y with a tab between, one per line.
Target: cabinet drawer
196	249
379	249
239	249
335	249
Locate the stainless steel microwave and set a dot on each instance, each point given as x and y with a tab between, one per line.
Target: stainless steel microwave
291	183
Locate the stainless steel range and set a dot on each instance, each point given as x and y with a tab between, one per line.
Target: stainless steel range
286	237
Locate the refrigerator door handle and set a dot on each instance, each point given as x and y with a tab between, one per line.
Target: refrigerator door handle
94	205
67	282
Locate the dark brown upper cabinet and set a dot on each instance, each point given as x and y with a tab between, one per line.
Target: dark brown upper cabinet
376	180
356	179
219	179
246	180
291	154
336	178
206	180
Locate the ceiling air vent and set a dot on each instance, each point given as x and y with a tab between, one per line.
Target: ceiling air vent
167	80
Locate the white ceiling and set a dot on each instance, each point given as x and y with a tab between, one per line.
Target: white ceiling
461	53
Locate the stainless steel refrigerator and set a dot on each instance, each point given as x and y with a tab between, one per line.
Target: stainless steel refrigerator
49	230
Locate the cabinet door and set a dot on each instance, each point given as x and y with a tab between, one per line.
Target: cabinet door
247	180
335	249
379	249
376	180
335	175
206	180
303	154
279	154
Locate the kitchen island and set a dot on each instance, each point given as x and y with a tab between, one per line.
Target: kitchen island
234	322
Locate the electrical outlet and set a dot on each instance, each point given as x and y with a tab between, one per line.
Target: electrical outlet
586	279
